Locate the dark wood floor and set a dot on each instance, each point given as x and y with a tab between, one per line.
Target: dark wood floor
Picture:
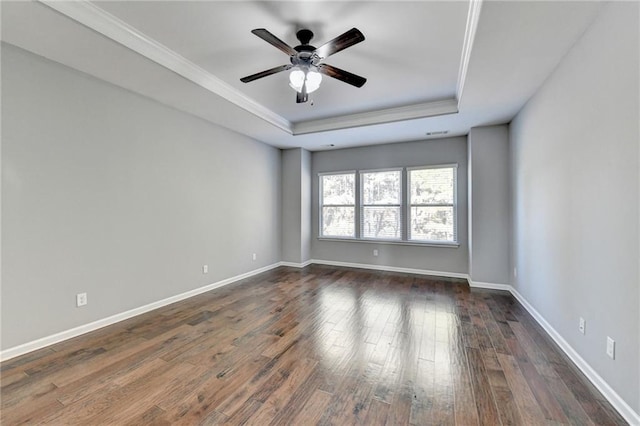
319	345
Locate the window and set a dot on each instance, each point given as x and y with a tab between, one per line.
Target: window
432	204
338	205
381	211
413	205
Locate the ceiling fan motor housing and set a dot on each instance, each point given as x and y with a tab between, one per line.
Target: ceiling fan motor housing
304	36
305	59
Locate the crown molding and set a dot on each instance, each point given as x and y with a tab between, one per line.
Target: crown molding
99	20
408	112
117	30
469	36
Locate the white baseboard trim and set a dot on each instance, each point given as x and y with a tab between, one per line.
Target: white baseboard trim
619	404
86	328
296	265
489	286
390	269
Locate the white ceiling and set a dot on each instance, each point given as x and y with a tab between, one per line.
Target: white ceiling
191	55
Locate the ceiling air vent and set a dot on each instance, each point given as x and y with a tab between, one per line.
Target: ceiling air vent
437	133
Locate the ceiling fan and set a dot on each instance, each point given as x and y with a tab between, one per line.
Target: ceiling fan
306	65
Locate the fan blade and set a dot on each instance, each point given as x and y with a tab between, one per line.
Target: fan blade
256	76
275	41
303	96
348	39
342	75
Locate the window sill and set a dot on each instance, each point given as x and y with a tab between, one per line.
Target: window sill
391	242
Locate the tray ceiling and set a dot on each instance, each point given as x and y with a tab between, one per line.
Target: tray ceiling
430	66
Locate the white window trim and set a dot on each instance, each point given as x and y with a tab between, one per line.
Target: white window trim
355	205
392	242
408	205
405	207
361	206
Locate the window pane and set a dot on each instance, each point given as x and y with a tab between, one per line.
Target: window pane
338	222
381	222
339	189
432	186
432	224
381	187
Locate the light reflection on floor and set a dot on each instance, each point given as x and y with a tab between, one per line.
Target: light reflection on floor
363	326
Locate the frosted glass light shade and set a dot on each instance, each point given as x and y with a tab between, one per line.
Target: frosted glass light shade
297	79
313	81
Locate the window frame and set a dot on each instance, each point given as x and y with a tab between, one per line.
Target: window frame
405	208
354	205
454	205
361	205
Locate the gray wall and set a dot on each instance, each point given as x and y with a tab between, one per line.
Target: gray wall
109	193
489	208
441	151
296	204
291	205
305	210
576	198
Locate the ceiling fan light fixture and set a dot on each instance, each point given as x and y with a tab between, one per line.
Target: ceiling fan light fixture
298	76
306	70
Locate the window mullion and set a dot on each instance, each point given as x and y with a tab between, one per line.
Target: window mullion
404	209
358	207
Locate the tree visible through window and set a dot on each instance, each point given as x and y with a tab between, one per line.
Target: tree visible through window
416	205
338	202
432	204
381	204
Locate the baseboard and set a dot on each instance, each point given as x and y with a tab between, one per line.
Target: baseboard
86	328
391	269
296	265
618	403
489	286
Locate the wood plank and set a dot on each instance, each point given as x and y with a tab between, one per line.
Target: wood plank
572	409
524	398
535	355
275	394
584	396
465	410
195	401
485	402
242	416
505	401
302	396
312	411
548	404
153	416
423	393
120	390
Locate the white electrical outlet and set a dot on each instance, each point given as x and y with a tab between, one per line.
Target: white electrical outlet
81	299
254	256
581	325
515	272
375	252
611	348
205	269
